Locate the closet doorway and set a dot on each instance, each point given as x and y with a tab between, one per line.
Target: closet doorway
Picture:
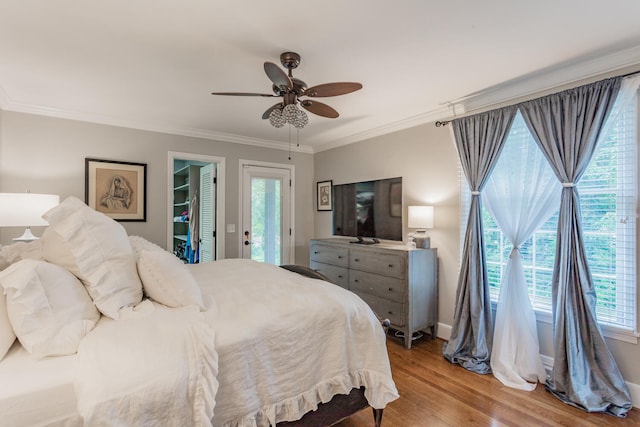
195	197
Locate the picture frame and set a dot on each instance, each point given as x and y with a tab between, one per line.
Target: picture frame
324	195
116	189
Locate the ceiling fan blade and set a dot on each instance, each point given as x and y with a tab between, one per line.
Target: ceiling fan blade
332	89
265	115
269	95
319	108
277	76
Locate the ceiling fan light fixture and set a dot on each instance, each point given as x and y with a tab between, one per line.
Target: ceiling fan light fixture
301	120
290	113
276	119
294	116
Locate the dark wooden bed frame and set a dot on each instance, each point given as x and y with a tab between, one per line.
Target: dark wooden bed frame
334	411
340	406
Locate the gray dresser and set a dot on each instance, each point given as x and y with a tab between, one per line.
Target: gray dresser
398	283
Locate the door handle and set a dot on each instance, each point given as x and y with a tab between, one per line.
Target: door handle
246	238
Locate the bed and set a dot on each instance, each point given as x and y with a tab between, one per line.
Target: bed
232	343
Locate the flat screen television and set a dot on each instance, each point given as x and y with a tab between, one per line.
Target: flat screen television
368	209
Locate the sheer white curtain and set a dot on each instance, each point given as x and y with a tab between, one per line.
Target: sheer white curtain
521	194
628	89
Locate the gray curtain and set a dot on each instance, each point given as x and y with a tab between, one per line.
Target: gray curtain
479	140
566	127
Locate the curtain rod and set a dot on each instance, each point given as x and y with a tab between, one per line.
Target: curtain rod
441	123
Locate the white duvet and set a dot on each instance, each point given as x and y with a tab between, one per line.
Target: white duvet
155	366
286	343
279	345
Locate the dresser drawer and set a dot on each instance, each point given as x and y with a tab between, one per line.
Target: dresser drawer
385	264
390	288
337	275
385	309
330	255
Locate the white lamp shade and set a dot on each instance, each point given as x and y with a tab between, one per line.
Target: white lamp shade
25	209
420	217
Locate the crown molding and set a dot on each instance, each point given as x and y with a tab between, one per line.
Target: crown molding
566	74
528	86
396	126
4	99
7	105
516	90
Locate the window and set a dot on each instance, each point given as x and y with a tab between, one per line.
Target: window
608	199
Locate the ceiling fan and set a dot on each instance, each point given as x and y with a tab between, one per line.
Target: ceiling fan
292	89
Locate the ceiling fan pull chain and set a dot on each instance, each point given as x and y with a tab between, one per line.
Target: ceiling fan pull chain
289	142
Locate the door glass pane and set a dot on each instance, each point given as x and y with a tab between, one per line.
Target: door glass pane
266	224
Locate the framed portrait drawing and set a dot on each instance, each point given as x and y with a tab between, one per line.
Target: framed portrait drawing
325	200
117	189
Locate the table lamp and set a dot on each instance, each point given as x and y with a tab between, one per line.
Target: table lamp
25	210
420	218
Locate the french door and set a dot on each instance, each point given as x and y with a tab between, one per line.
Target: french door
266	230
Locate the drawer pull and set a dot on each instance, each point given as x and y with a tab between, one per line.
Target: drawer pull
390	289
389	312
315	252
356	281
339	276
390	265
339	256
356	260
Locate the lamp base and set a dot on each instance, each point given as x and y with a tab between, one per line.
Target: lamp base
422	242
27	236
420	239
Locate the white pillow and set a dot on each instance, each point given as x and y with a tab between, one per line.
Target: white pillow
138	244
48	307
96	249
7	337
20	250
167	280
11	254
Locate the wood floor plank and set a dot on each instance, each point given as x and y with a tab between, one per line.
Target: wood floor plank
436	393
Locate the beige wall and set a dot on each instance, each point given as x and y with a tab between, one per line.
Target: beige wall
46	155
427	160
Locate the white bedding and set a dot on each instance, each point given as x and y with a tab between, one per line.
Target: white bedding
153	366
37	392
276	359
286	343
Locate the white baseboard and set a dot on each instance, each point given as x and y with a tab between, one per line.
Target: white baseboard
444	332
634	390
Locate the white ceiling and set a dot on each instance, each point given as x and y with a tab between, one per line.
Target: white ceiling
151	64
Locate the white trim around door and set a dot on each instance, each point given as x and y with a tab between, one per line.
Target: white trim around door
288	238
220	196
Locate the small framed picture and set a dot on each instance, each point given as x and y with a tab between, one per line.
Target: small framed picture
117	189
325	200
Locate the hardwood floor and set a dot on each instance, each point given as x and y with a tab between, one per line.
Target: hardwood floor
434	392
